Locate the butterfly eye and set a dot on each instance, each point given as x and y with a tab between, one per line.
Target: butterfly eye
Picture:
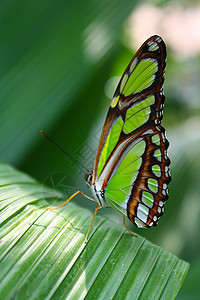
88	178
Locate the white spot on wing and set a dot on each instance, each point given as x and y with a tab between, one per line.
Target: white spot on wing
166	171
159	209
164	186
155	218
142	212
149	131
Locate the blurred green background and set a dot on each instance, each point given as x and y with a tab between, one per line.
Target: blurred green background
59	66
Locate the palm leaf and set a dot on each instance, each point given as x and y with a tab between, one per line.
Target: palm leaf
43	255
49	52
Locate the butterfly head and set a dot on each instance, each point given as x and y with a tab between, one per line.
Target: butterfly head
89	178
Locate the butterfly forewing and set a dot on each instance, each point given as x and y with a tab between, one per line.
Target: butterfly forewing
131	163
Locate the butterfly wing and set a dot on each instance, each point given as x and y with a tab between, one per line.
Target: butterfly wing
131	163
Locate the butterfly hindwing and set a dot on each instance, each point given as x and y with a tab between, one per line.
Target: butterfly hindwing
131	164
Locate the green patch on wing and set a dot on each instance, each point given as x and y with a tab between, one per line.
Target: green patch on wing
156	139
141	78
118	188
156	169
119	207
111	141
138	114
153	185
147	199
158	154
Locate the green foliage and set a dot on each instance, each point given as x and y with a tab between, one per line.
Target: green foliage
43	254
50	51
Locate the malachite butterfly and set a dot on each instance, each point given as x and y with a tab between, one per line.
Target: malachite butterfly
131	168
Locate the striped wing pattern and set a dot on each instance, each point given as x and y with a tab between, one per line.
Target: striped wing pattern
131	165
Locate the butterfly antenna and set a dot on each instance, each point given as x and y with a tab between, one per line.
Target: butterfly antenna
68	155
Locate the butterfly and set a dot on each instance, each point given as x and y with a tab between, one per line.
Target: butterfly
131	167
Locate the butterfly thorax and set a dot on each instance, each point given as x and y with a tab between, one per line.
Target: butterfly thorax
99	194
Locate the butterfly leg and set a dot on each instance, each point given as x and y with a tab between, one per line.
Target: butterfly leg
127	227
78	192
95	212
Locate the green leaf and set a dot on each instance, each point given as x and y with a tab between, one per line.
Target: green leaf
43	254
